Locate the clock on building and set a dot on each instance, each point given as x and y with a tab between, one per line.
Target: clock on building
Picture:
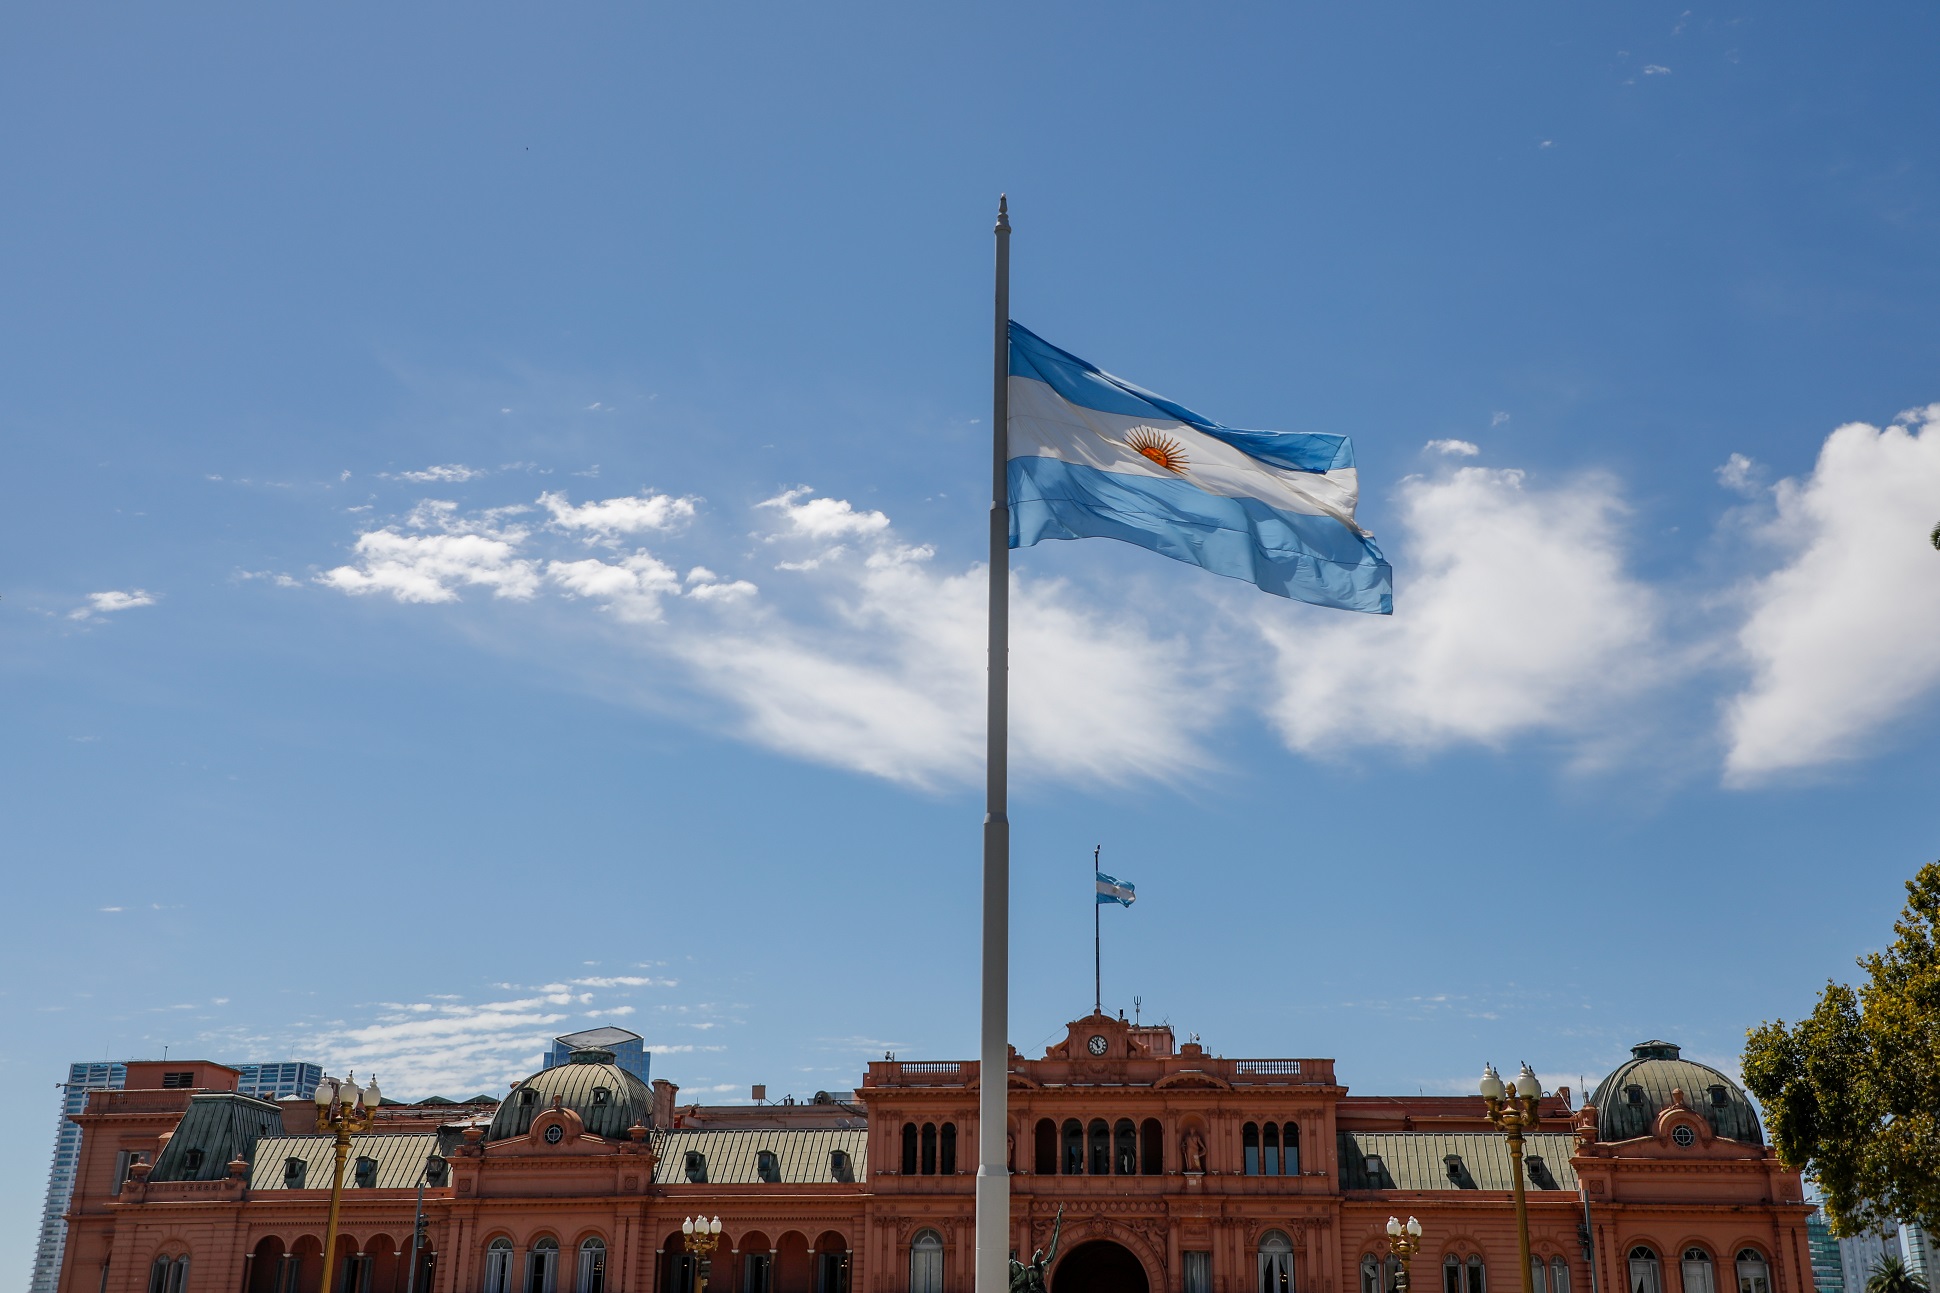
1097	1045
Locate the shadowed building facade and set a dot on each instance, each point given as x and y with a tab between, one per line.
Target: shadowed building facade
1175	1169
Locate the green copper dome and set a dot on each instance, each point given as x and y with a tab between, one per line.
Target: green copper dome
1629	1100
607	1098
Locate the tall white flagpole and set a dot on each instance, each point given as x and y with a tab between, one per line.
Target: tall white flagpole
993	1070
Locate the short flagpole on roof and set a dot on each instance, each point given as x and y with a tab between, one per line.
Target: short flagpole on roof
993	1069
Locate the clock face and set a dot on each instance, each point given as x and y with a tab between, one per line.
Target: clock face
554	1134
1097	1045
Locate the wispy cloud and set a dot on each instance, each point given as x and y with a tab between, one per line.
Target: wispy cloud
449	473
107	603
1453	448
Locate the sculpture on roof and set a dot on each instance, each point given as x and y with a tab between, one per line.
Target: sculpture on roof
1030	1278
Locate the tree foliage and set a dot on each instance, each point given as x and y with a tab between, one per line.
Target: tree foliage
1852	1091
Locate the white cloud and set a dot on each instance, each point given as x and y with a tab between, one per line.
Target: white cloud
1738	474
113	600
631	588
1841	638
824	518
1513	614
1656	69
615	516
432	567
450	473
1453	448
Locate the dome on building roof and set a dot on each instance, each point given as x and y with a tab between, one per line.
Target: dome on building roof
607	1098
1629	1100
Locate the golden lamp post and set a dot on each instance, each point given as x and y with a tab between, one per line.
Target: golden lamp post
1404	1241
1512	1110
343	1111
701	1234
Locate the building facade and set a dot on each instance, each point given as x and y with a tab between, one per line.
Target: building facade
1138	1165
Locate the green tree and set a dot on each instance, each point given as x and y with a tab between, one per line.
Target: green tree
1852	1092
1891	1276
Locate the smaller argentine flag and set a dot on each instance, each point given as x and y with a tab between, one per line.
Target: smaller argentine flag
1110	890
1092	456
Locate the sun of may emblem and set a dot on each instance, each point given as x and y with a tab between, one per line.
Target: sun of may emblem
1161	449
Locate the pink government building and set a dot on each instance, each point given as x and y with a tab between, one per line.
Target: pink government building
1175	1169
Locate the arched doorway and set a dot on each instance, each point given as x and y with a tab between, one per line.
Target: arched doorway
1099	1266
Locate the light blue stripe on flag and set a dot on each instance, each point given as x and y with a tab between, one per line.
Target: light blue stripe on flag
1110	890
1092	456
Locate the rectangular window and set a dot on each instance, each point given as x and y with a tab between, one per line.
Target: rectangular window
173	1081
1252	1160
1272	1160
1559	1276
759	1270
1198	1272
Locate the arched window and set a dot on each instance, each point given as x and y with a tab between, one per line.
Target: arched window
909	1149
1045	1162
1290	1150
926	1263
1124	1148
767	1168
1249	1142
1270	1149
169	1274
295	1172
1538	1268
542	1267
929	1149
498	1266
839	1166
1074	1148
1151	1147
1697	1272
1372	1280
1559	1275
695	1165
946	1162
1644	1275
592	1267
1276	1263
366	1176
1754	1276
1464	1274
1100	1137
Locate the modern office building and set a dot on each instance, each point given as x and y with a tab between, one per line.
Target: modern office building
279	1081
1858	1254
81	1079
628	1050
1827	1274
1916	1252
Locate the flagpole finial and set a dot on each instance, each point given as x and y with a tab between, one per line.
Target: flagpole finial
1003	211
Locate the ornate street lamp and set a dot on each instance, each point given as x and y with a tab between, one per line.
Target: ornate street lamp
701	1234
1512	1111
1403	1242
343	1111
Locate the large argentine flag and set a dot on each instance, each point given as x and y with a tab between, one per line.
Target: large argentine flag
1092	456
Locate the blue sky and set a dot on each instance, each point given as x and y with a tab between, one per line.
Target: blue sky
493	525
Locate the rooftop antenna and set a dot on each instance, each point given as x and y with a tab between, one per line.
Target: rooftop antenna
1138	1004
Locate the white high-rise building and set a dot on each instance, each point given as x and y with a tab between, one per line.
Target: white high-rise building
1916	1252
1859	1254
81	1079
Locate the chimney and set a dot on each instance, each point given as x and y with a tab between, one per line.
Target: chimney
663	1103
